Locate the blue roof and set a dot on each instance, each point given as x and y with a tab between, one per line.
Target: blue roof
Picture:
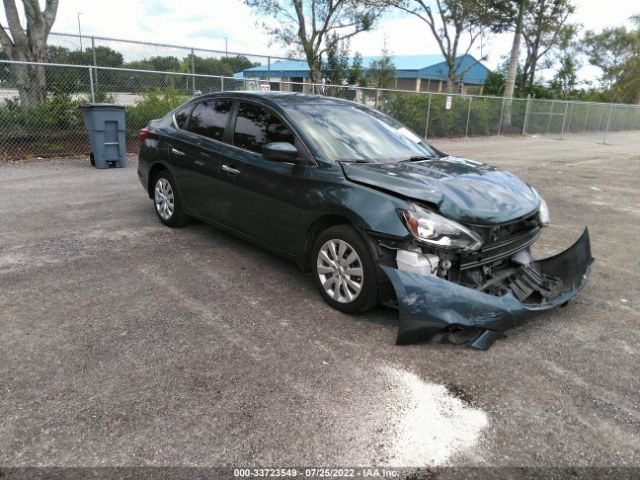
427	67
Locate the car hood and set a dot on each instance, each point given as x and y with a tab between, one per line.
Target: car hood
463	190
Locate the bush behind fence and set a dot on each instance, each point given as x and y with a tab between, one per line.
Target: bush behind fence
55	127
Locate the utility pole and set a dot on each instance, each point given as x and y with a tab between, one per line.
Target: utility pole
80	31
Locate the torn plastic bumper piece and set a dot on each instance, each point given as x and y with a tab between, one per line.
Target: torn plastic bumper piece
428	303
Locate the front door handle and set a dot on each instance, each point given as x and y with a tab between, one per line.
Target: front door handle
230	170
200	163
175	151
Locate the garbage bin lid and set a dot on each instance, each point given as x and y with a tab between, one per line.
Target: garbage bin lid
101	106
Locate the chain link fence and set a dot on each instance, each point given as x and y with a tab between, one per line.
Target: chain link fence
54	126
117	52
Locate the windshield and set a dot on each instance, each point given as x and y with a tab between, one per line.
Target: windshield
355	133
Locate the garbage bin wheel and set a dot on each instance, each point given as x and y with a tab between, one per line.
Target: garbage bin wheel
92	159
167	202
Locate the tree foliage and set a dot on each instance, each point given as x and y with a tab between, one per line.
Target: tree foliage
616	51
335	67
313	26
546	30
104	56
225	66
382	71
456	25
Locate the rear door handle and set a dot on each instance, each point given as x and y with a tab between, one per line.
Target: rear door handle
230	170
200	163
175	151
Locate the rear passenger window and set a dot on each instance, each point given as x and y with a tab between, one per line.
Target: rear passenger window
181	117
256	126
210	118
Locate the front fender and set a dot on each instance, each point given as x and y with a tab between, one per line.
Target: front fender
366	208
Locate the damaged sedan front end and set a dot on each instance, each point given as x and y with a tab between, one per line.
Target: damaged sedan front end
487	298
479	278
466	263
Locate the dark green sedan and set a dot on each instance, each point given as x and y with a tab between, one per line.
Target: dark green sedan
372	211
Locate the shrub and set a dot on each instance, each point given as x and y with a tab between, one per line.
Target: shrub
58	112
484	115
154	104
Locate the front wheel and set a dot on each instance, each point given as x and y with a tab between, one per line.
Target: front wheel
168	205
343	270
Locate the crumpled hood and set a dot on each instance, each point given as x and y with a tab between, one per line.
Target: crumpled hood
463	190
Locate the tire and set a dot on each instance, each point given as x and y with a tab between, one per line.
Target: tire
166	201
337	280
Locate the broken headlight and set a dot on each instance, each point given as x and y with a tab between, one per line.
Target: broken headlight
543	213
437	231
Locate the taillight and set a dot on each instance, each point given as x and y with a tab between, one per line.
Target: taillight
144	133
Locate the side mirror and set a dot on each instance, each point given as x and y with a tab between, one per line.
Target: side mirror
280	152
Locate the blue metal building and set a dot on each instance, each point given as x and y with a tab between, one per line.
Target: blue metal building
413	72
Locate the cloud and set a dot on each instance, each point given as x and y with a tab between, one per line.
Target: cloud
158	7
204	24
210	33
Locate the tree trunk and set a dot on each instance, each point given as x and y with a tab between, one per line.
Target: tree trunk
513	65
525	73
31	83
451	77
315	71
532	71
28	45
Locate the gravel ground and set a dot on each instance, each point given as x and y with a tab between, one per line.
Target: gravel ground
125	343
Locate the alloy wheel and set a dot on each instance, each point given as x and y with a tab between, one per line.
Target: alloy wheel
340	270
164	198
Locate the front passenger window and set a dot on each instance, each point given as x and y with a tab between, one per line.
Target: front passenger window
210	118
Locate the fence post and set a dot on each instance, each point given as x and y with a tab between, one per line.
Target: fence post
95	61
586	121
606	130
377	97
501	114
222	84
193	71
525	123
269	68
466	129
568	130
550	116
93	95
426	128
564	118
601	117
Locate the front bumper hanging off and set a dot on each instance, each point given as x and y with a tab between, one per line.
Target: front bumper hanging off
428	303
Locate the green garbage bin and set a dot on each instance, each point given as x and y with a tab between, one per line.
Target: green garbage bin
105	124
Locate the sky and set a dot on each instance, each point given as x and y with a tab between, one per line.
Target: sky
206	23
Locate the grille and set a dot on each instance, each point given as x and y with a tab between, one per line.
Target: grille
501	241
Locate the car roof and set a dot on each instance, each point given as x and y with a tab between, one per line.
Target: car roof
282	98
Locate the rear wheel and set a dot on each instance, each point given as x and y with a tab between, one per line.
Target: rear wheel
343	270
168	205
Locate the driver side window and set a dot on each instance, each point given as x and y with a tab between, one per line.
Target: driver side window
256	126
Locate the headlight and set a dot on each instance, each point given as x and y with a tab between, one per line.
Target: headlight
438	231
543	213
